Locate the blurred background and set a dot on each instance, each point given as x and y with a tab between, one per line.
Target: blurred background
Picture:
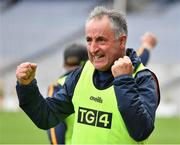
38	30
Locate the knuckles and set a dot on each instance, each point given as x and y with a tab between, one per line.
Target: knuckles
122	66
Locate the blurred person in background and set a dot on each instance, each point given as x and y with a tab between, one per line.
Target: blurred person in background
75	55
113	96
148	43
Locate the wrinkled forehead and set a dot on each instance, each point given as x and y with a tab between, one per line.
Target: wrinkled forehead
99	26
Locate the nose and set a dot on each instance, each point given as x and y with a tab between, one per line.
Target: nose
93	47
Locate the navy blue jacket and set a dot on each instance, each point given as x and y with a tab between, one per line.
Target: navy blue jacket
137	99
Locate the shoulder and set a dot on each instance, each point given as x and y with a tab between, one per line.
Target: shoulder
74	75
71	81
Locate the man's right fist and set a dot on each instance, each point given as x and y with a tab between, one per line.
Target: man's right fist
25	72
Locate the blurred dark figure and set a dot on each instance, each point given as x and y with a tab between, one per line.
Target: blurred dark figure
75	55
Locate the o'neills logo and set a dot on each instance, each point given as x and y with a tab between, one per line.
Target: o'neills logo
96	99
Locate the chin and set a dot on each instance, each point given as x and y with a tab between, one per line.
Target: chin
101	68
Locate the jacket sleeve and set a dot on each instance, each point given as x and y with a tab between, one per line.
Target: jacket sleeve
47	113
145	56
137	100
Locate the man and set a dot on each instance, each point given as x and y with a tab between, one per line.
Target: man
113	97
75	55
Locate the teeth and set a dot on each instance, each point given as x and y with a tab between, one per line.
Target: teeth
97	57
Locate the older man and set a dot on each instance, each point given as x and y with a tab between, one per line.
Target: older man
113	97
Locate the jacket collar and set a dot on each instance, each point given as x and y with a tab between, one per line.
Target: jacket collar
131	53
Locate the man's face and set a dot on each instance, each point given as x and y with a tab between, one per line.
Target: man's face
103	47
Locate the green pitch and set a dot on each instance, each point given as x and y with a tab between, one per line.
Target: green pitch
17	128
167	131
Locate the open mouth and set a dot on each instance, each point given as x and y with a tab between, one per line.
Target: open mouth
98	57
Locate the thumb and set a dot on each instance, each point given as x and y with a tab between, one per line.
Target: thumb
33	66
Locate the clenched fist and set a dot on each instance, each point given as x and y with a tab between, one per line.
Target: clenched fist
25	72
148	40
122	66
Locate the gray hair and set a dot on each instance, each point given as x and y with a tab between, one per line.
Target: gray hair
117	19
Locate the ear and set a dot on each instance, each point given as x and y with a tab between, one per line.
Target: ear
122	40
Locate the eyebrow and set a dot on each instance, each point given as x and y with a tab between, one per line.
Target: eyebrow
100	38
97	38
